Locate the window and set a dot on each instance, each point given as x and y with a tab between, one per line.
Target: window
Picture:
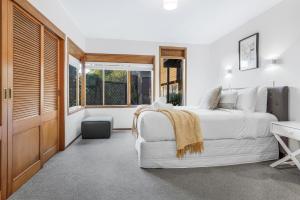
117	84
171	82
94	87
72	86
75	78
173	74
140	87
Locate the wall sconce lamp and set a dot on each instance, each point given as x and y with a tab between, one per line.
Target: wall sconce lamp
228	71
273	61
271	64
228	75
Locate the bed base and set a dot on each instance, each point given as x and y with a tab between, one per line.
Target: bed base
217	153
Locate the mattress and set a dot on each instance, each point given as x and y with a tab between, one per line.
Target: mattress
216	124
221	152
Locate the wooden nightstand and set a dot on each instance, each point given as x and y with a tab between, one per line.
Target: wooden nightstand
290	130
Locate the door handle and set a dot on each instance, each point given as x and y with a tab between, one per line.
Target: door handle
9	93
5	93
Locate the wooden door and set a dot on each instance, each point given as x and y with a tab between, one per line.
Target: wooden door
3	97
33	108
24	77
49	128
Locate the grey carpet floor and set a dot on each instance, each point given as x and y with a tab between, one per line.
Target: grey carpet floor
107	170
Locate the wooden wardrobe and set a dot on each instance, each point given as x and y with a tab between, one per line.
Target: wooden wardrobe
31	60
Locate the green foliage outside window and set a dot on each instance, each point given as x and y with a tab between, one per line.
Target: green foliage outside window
113	85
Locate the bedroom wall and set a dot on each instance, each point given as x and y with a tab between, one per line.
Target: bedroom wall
55	12
201	75
279	30
73	126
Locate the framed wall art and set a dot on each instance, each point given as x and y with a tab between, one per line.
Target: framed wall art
249	52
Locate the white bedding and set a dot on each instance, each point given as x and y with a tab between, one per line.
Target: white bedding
217	153
216	124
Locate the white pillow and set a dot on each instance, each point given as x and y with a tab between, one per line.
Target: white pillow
160	105
247	99
162	100
211	99
228	99
262	99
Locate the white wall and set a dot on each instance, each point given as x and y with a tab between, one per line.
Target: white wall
279	30
200	74
54	11
73	126
122	117
199	71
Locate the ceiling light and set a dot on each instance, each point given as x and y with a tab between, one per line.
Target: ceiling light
170	4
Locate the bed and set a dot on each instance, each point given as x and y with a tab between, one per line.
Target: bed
230	136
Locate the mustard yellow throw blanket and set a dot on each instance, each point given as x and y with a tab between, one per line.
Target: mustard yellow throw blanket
186	127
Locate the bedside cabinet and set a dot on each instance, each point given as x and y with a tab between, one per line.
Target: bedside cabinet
290	130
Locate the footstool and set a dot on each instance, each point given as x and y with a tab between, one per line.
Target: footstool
96	127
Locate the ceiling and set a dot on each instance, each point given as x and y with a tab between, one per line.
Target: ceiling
193	22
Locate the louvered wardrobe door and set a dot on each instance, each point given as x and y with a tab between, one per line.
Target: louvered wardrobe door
50	107
24	125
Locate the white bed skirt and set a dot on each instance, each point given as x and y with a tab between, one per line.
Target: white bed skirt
217	153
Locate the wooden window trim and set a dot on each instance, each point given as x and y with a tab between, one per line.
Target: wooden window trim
75	51
120	58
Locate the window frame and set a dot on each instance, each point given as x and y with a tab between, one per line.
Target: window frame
171	52
80	106
128	100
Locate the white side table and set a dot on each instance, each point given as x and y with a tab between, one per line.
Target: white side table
290	130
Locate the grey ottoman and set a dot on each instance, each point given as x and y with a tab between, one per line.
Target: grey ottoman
97	127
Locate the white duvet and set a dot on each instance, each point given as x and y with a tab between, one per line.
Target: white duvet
215	124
